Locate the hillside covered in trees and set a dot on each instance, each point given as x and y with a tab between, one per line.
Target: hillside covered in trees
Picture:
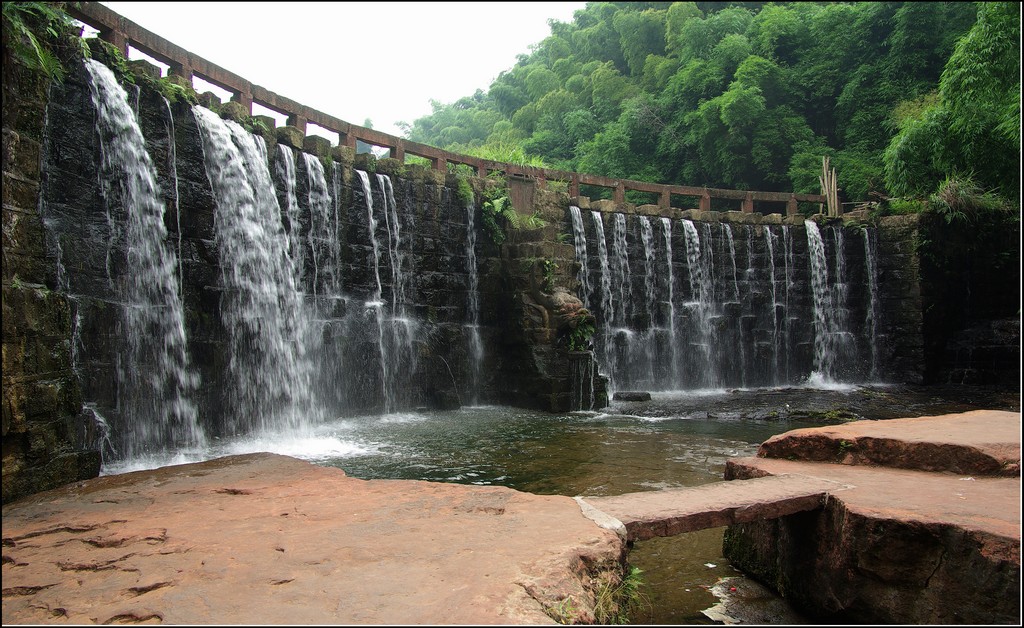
899	95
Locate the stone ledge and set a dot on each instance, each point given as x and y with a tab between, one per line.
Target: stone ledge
676	511
980	442
268	539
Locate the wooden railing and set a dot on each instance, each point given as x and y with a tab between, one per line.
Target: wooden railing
125	34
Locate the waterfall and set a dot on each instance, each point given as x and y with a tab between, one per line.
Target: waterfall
401	327
827	329
741	340
840	300
579	238
336	194
476	347
376	304
701	307
621	269
395	333
172	166
666	227
732	256
395	254
607	301
324	246
769	241
285	169
261	306
155	381
581	377
650	297
871	315
790	265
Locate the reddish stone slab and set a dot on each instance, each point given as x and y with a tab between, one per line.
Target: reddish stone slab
267	539
675	511
981	442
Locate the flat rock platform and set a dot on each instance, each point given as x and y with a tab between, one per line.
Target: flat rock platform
269	539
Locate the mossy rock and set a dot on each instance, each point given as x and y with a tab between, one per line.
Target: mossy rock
343	154
583	202
109	55
290	136
317	146
390	166
234	110
210	101
366	162
144	69
267	121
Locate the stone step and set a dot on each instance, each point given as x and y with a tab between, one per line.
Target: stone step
980	442
676	511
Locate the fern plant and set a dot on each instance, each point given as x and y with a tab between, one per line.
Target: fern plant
31	32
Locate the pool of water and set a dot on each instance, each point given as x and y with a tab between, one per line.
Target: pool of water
676	439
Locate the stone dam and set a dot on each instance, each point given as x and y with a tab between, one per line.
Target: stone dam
172	277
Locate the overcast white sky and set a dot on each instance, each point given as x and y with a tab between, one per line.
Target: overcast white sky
356	60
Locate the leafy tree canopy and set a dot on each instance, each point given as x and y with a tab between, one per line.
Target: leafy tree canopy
751	95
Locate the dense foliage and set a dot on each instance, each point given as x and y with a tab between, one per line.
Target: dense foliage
752	95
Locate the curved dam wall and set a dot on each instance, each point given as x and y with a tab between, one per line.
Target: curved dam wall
147	306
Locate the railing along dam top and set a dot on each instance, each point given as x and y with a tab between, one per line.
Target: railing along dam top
125	34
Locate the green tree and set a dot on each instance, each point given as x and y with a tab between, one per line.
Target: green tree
640	34
974	128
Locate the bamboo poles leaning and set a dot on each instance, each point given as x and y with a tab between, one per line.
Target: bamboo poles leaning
828	188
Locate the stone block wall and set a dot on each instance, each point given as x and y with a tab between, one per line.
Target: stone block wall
45	439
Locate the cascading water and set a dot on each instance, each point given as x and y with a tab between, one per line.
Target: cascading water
666	227
871	317
376	304
620	251
402	328
395	332
607	300
285	170
738	324
741	336
261	305
826	323
700	308
773	309
172	166
790	266
579	240
650	297
476	345
583	368
154	377
324	244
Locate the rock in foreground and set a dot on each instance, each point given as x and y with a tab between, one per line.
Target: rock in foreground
268	539
926	532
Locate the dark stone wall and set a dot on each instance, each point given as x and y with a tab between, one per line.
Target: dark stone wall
970	289
841	567
45	443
